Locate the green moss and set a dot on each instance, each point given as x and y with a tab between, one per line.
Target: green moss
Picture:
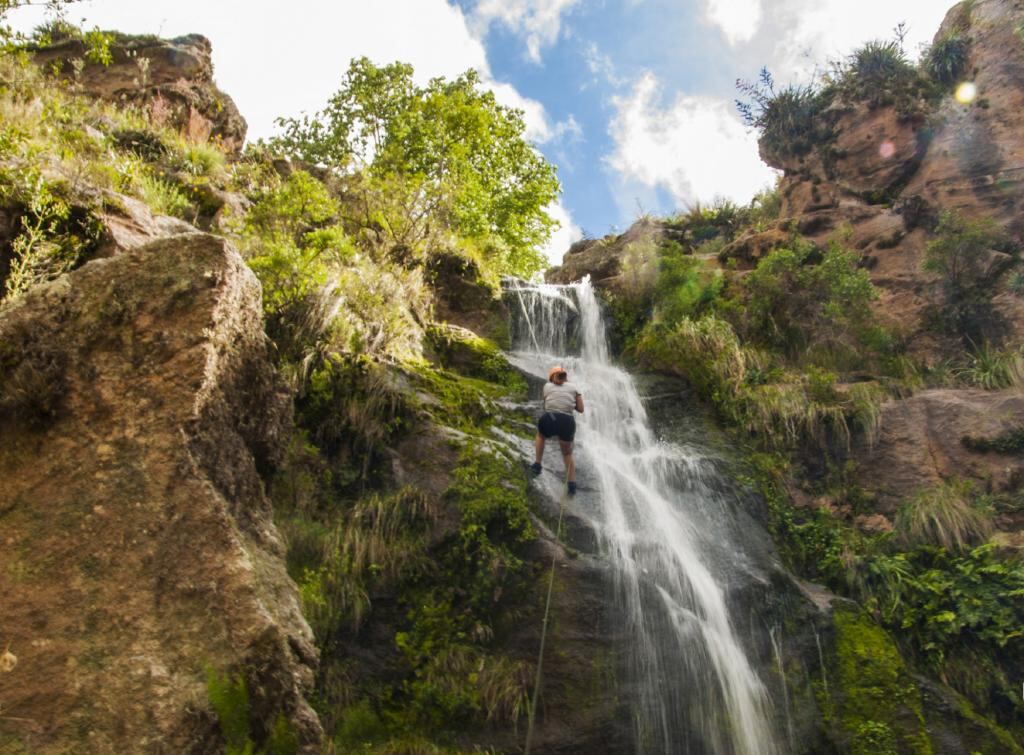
874	701
469	354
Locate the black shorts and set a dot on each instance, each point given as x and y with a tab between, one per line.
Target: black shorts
551	424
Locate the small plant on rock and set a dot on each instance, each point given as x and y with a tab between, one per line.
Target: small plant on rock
945	516
946	60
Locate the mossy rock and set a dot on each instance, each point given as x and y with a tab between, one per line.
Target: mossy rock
466	353
872	702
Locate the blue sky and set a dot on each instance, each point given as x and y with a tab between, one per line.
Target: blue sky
631	99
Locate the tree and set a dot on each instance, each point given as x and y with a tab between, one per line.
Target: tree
460	154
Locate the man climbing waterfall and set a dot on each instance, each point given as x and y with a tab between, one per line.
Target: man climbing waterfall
561	399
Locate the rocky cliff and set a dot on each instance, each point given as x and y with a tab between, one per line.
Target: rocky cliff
171	79
139	414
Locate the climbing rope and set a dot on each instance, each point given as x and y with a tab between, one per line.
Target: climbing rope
543	633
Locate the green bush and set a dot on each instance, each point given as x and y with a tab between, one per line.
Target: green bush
802	302
946	60
879	74
992	369
685	287
959	258
788	120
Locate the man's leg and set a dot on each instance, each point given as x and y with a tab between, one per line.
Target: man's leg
570	462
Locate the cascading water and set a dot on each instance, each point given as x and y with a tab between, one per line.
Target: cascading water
664	529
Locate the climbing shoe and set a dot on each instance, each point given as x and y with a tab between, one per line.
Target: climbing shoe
572	488
535	468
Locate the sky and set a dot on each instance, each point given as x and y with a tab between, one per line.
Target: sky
632	100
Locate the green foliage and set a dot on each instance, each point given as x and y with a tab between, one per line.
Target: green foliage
459	154
229	698
162	196
990	368
51	239
947	516
788	120
959	258
946	60
686	286
1007	442
800	301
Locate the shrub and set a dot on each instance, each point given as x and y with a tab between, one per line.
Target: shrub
992	369
788	119
959	257
880	74
796	304
944	516
946	60
685	287
162	196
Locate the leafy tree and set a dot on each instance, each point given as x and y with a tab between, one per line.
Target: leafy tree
460	154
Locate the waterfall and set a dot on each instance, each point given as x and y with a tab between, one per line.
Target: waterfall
664	529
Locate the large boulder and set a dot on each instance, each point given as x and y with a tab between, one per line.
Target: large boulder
936	435
623	263
171	78
139	410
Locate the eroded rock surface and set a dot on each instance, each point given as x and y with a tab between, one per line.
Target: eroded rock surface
138	409
922	443
172	78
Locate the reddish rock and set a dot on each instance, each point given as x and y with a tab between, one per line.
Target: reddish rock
138	409
920	443
975	163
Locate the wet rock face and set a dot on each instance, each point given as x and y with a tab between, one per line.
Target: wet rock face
138	410
172	78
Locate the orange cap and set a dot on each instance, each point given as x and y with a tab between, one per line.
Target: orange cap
554	371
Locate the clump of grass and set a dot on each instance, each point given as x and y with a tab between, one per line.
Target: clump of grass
201	158
162	196
992	369
946	60
945	516
787	118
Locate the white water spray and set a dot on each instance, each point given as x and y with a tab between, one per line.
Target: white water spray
654	514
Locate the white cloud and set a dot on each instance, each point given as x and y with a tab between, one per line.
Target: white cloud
809	33
281	62
695	148
739	20
538	22
564	237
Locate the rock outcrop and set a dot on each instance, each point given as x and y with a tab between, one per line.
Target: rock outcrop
171	78
139	410
928	438
619	263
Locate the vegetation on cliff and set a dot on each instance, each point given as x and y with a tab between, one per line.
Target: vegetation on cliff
424	567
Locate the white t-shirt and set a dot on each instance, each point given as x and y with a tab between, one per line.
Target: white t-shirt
560	398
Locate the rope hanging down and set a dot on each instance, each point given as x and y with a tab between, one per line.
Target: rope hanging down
531	714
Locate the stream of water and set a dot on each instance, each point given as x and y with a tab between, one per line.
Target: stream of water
665	528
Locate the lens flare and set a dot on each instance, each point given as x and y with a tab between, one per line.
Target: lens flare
966	92
886	149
